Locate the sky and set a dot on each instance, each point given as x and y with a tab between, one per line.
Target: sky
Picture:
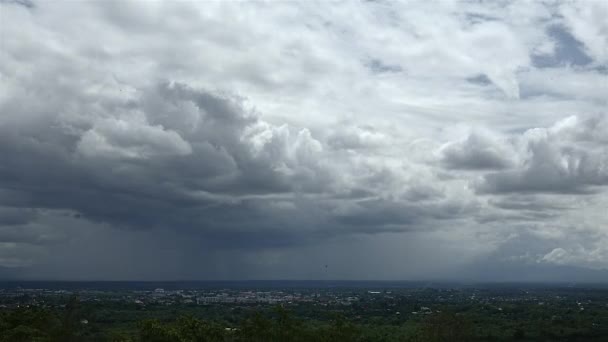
418	140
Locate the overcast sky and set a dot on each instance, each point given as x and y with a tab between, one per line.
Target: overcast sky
156	140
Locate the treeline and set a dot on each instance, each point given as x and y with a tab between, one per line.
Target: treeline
37	324
44	325
284	327
71	324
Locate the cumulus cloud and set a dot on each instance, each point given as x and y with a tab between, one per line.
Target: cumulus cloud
117	138
477	152
555	161
139	166
592	257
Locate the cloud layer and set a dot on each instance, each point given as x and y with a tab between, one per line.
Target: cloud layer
172	140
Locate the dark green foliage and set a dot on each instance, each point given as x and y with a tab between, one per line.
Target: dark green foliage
256	328
69	329
415	318
184	329
280	326
342	330
519	334
24	324
446	327
28	324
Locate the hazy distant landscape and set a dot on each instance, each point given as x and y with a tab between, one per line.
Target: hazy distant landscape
301	311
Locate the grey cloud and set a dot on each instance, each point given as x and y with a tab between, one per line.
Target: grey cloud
477	152
528	256
529	203
358	137
377	213
16	216
550	170
481	79
568	50
379	67
24	234
56	169
421	192
513	209
512	217
592	129
122	139
476	18
174	157
24	3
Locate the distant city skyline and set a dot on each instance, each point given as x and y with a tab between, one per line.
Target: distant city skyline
362	140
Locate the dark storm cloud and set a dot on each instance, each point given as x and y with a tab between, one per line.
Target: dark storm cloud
142	174
22	234
174	157
16	216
